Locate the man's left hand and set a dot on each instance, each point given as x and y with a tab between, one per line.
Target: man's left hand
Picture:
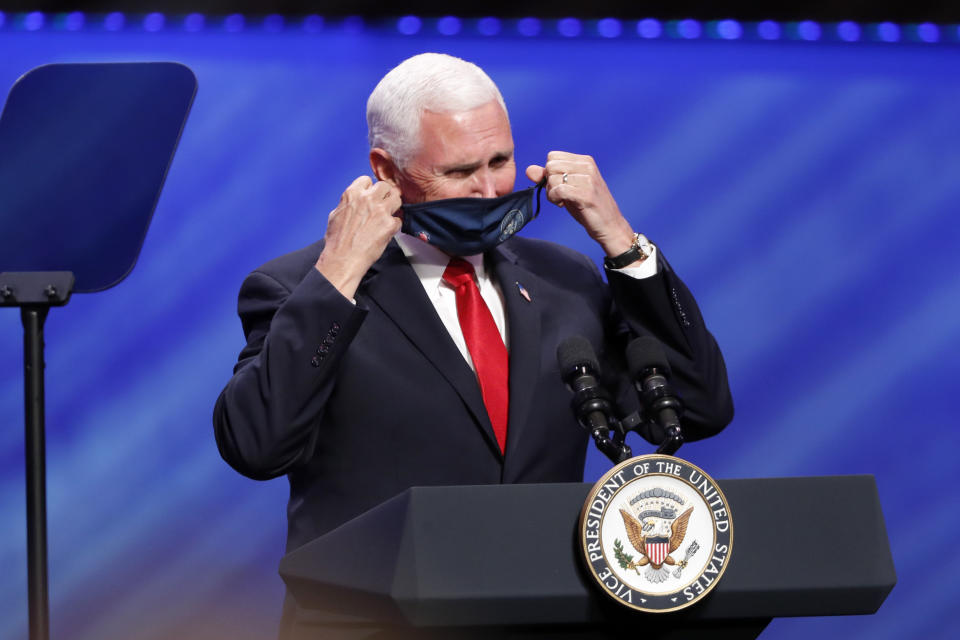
574	183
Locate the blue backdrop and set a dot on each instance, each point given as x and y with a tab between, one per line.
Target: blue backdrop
805	192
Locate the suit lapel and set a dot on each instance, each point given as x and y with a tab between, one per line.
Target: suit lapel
392	285
523	322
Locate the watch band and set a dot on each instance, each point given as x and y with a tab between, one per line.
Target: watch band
640	250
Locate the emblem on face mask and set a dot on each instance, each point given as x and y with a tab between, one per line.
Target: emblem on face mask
656	533
512	222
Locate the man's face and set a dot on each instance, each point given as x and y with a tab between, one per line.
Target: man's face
465	154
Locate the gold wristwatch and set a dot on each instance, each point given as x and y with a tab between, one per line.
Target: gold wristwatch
640	250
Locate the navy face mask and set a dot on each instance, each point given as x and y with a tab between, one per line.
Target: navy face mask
467	226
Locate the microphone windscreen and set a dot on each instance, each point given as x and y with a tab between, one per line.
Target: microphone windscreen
576	351
644	353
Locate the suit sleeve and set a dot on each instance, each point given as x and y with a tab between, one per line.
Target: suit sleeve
662	306
266	419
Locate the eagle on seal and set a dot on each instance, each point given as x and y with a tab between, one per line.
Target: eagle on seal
648	533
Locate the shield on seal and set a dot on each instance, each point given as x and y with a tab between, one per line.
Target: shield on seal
657	550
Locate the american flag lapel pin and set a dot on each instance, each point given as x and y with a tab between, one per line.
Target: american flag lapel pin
523	292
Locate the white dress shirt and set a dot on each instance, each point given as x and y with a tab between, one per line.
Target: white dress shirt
429	263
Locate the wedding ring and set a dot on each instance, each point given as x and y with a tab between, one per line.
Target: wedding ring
564	179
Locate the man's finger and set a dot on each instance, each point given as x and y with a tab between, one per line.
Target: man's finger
559	179
535	173
361	183
383	190
393	202
556	193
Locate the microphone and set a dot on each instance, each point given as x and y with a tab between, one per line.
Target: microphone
591	402
648	366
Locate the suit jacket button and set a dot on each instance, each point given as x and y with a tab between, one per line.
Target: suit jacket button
315	361
679	307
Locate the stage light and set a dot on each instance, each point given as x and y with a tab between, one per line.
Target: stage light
609	28
809	30
649	28
569	27
313	24
729	30
409	25
153	22
488	26
352	25
528	27
689	29
193	22
74	21
273	23
34	21
888	32
769	30
448	26
114	21
233	23
848	31
927	32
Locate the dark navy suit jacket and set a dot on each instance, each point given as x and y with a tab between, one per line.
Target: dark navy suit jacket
356	403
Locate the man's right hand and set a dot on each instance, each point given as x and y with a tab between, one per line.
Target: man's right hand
358	231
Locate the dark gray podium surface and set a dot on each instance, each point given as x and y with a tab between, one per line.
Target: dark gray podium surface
507	556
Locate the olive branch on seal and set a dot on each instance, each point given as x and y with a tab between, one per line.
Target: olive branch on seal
625	560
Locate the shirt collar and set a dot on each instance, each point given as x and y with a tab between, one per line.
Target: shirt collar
430	262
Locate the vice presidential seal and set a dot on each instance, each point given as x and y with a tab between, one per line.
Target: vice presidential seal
510	224
656	533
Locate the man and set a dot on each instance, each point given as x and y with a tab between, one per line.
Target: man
363	375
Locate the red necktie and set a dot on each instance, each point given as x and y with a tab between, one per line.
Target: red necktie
484	343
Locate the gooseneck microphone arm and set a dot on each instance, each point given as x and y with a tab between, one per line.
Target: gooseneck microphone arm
648	366
591	402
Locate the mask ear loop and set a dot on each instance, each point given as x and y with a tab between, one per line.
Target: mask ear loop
540	186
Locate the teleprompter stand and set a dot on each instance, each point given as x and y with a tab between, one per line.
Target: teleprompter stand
35	293
503	561
84	151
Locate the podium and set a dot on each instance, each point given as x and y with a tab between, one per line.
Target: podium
502	561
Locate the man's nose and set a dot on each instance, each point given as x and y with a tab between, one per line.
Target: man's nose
485	185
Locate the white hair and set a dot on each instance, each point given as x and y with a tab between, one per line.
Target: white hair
426	82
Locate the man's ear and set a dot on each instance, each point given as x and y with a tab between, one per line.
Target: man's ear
384	167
